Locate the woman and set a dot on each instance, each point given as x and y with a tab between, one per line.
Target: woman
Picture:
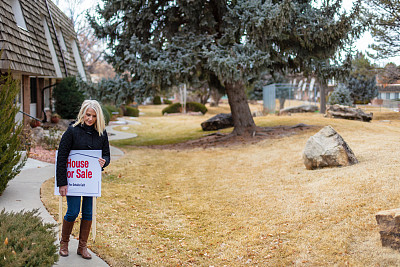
87	133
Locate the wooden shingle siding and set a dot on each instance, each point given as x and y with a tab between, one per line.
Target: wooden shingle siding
27	51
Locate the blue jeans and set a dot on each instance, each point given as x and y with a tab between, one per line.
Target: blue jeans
74	206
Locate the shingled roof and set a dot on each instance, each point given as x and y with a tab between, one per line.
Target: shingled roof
389	88
27	50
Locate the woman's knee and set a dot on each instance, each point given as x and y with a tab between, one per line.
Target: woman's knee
74	206
87	208
71	216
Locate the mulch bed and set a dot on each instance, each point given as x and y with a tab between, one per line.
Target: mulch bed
42	154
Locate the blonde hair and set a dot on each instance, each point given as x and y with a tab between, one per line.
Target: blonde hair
100	122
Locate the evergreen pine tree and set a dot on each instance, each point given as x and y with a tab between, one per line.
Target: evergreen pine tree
11	144
362	80
341	96
166	43
362	89
68	98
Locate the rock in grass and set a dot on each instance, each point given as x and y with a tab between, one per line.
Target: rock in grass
389	226
327	149
219	121
348	113
298	109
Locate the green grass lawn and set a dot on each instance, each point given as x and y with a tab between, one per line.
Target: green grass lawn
156	129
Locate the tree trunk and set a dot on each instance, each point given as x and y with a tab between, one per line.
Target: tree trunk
282	103
323	86
242	120
216	96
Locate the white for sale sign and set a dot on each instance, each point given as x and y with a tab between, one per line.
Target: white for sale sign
83	173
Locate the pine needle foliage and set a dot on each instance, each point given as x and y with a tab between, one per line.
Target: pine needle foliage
68	98
362	80
11	143
25	240
165	43
341	96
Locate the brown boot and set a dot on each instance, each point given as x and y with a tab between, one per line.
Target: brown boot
66	232
83	238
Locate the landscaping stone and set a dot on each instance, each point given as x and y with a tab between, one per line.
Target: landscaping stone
63	124
349	113
37	134
219	121
327	149
389	226
298	109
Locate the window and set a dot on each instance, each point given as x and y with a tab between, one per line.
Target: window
387	95
51	48
396	95
61	39
19	17
78	60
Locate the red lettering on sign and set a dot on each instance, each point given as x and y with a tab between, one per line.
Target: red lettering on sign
83	173
77	164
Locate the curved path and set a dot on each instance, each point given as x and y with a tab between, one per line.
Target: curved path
23	193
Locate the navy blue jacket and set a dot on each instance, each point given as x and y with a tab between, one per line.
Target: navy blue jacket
80	137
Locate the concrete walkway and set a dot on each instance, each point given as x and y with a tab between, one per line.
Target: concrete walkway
23	193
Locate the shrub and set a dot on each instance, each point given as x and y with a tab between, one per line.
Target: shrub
51	141
340	96
362	89
11	140
190	106
196	107
111	109
26	240
167	102
107	115
157	100
68	98
174	108
131	111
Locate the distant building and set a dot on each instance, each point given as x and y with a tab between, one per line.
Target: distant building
389	91
39	47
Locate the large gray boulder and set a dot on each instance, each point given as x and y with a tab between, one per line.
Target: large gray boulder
349	113
327	149
389	226
219	121
299	109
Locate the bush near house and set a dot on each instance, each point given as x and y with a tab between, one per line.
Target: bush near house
25	240
166	101
190	106
11	139
68	98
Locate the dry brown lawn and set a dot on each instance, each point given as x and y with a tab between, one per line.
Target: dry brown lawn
252	205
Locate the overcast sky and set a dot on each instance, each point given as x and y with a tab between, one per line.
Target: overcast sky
361	44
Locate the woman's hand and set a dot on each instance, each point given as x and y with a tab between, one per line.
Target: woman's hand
63	190
102	162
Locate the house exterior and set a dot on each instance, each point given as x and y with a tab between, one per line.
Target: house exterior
39	47
389	91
